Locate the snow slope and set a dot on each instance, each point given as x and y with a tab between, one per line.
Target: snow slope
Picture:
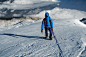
10	8
26	4
56	13
63	13
26	41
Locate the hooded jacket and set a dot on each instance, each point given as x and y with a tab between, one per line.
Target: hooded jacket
46	22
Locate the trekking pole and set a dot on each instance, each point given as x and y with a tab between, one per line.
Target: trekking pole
42	35
54	35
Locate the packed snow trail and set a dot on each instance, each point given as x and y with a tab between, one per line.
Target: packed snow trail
26	41
60	51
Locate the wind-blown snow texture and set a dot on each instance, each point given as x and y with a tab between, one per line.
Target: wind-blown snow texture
24	38
20	7
27	40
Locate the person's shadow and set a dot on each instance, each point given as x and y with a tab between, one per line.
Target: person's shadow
18	36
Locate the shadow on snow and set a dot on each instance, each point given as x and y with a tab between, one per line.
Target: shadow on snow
17	36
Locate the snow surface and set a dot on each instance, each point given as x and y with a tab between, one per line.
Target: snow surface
24	39
28	1
26	4
62	13
21	7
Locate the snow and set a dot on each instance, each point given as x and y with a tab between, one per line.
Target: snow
63	13
23	37
31	1
26	4
26	41
10	7
14	23
16	15
2	15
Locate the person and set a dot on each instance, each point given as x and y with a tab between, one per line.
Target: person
47	23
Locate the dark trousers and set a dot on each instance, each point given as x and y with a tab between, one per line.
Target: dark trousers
46	32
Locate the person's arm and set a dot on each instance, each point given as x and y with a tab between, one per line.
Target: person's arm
42	26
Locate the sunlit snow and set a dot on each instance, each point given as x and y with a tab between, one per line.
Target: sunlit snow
23	37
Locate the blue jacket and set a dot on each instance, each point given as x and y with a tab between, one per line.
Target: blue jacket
46	22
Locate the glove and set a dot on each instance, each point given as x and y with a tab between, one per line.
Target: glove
52	29
41	30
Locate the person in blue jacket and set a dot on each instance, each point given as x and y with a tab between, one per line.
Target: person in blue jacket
47	23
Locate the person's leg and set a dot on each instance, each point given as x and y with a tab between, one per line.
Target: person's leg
50	33
46	33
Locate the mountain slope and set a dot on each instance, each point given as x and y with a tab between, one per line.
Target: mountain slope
26	41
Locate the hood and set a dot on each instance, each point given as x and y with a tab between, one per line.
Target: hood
47	17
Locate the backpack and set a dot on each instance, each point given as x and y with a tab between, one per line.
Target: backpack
49	20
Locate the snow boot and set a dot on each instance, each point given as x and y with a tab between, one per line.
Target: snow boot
50	36
46	35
